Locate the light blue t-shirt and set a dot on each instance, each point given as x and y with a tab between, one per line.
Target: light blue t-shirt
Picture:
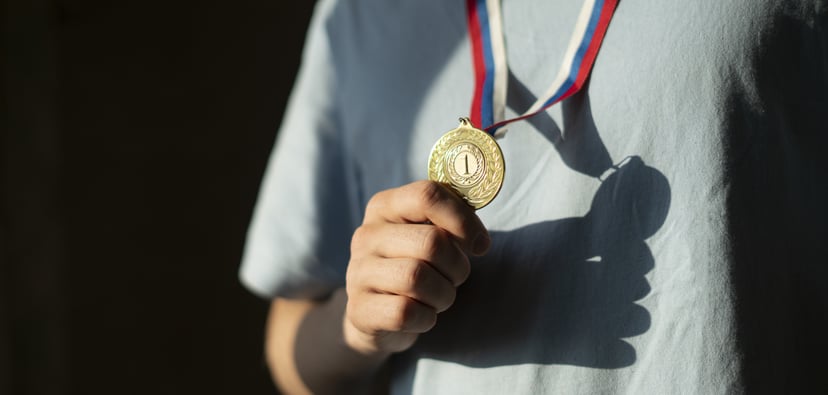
660	232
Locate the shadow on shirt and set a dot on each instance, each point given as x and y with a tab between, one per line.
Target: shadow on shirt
571	298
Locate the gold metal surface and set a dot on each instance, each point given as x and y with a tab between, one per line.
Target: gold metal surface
470	161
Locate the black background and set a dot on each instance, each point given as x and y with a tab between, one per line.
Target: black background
135	134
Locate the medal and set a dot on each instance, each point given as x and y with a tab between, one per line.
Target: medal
470	161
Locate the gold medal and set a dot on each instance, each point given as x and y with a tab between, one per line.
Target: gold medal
470	161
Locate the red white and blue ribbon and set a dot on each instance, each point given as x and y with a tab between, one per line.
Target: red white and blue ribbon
491	72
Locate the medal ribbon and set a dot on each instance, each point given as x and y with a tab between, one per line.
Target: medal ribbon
491	72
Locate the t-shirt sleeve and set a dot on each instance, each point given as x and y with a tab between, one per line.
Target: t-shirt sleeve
298	241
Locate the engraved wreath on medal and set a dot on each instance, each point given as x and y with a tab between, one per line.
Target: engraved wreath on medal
470	161
463	171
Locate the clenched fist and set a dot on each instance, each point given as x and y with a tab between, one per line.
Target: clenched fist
407	259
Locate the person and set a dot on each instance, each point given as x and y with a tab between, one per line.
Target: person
658	232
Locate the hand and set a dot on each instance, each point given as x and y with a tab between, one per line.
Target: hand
407	259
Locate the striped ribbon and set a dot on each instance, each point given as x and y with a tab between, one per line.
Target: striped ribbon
491	71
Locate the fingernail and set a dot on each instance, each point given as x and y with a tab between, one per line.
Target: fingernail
481	244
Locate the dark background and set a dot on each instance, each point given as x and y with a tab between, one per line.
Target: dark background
134	135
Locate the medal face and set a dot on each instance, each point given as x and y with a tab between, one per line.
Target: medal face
470	161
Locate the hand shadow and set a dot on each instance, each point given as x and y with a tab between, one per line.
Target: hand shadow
570	298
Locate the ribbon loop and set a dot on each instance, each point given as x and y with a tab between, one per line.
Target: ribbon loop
491	69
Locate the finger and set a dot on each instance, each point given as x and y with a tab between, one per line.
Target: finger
376	313
370	344
412	278
423	242
428	201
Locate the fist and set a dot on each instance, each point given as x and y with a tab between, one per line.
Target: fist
407	259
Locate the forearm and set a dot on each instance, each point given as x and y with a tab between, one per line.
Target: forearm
306	352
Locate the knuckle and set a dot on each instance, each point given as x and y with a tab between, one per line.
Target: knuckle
408	315
354	285
354	315
430	193
413	274
401	314
432	241
360	238
349	310
351	277
374	203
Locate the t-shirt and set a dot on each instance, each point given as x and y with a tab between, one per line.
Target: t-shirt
662	231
